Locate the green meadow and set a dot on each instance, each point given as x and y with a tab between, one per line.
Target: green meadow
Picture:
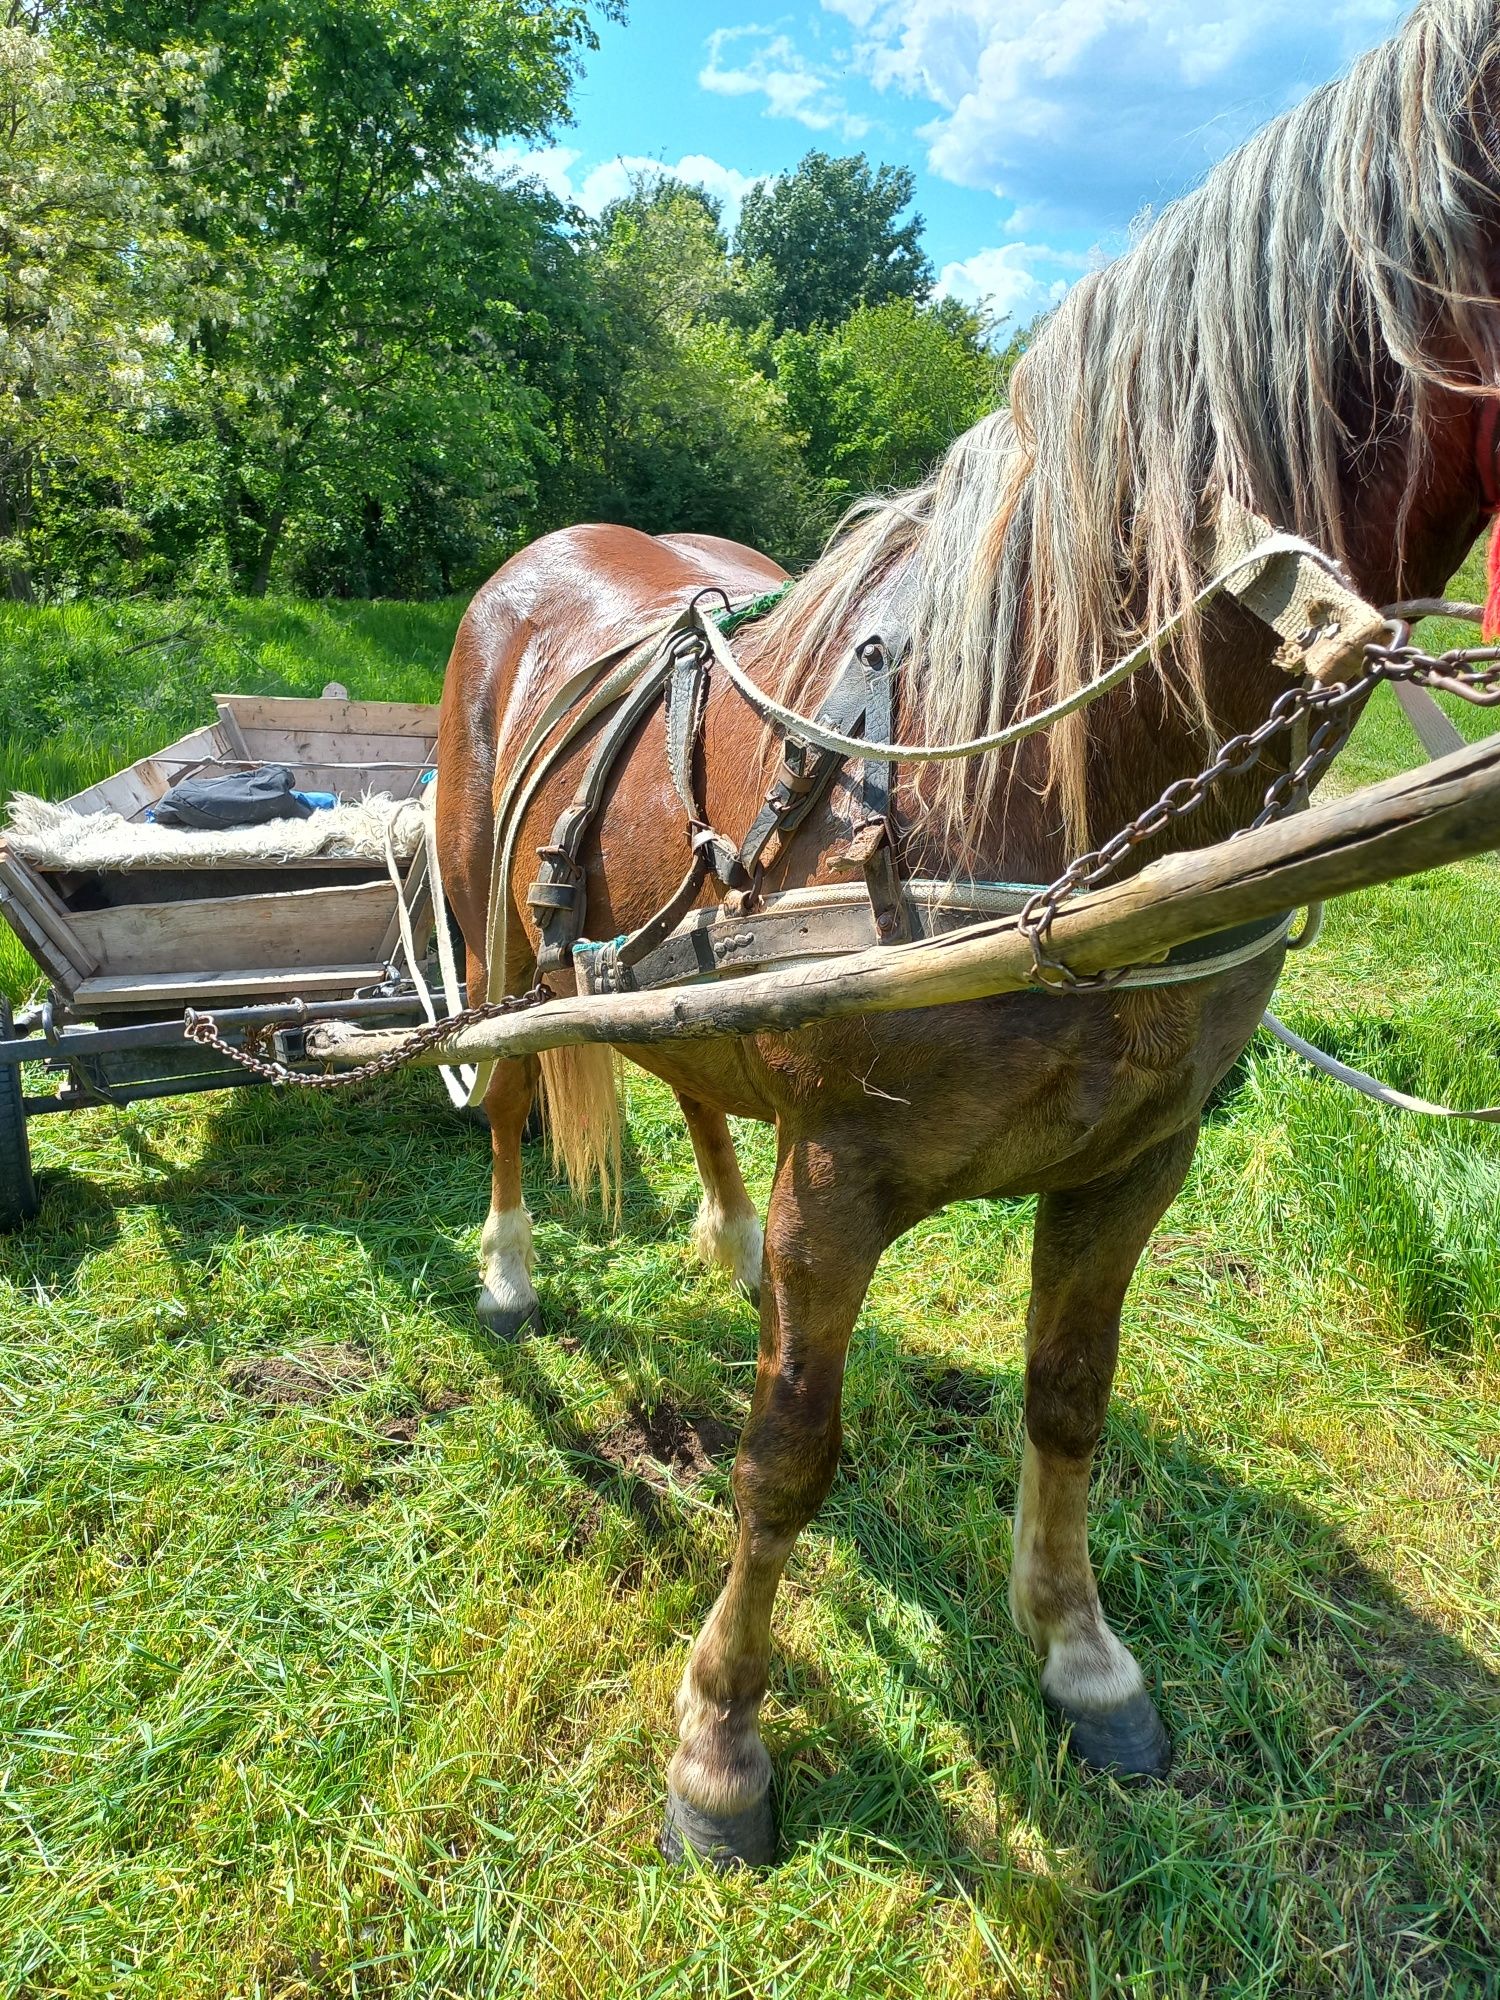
339	1640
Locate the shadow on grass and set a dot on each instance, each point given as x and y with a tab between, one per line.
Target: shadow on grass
77	1219
1314	1713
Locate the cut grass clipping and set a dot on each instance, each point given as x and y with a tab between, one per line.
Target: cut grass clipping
340	1642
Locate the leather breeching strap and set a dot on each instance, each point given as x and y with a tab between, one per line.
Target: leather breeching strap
860	698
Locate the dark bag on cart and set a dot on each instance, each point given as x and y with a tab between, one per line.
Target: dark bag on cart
239	798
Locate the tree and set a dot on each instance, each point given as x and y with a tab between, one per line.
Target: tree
828	239
90	271
334	143
879	398
666	419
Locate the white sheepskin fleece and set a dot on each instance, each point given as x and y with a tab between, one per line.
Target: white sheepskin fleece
51	836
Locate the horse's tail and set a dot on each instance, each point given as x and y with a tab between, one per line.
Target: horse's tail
581	1104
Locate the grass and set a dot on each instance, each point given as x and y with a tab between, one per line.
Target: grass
339	1641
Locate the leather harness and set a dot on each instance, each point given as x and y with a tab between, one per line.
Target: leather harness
747	931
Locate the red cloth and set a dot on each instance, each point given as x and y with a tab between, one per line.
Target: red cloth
1485	443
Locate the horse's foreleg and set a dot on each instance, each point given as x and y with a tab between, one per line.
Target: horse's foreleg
507	1299
822	1244
1087	1244
727	1230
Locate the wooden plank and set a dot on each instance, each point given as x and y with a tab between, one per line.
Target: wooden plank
145	989
234	736
299	747
142	783
193	748
226	933
36	941
47	911
1446	811
288	714
126	792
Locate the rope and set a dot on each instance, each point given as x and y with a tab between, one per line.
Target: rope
809	730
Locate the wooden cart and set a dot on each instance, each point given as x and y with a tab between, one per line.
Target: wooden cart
125	945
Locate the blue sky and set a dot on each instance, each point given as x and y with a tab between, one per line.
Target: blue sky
1039	130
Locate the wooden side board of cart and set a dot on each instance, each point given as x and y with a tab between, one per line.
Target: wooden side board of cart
123	949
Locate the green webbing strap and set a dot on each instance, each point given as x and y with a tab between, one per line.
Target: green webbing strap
729	622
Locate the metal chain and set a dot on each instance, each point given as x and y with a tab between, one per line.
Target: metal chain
203	1029
1457	672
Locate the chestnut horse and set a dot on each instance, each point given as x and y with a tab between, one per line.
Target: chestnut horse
1312	332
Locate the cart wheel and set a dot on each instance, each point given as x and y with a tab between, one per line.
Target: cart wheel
18	1200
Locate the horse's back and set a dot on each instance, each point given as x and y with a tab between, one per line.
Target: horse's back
560	603
594	583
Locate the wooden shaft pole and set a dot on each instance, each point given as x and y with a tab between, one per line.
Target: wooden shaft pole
1445	811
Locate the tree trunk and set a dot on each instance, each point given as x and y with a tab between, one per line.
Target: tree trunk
15	577
269	543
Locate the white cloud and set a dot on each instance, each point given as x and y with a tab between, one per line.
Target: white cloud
1017	281
775	69
593	188
1085	109
551	165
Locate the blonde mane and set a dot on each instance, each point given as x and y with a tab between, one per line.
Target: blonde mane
1337	264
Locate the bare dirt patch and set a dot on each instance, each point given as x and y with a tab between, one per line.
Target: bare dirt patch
403	1429
309	1377
663	1445
956	1391
1196	1253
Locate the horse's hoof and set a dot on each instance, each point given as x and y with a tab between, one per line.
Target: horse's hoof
749	1293
725	1840
1128	1741
508	1322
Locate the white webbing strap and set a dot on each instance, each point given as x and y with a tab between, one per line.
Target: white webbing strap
1371	1086
456	1081
1432	729
1288	583
1438	736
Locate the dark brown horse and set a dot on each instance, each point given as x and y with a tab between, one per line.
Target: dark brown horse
1310	333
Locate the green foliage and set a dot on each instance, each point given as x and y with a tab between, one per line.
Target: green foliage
93	276
269	318
671	423
828	239
880	397
373	276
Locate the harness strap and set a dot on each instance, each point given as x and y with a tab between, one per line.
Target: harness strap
557	895
687	709
827	922
1371	1086
805	772
1295	589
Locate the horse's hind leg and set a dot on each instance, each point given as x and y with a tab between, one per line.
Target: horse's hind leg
507	1298
823	1240
727	1230
1086	1247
